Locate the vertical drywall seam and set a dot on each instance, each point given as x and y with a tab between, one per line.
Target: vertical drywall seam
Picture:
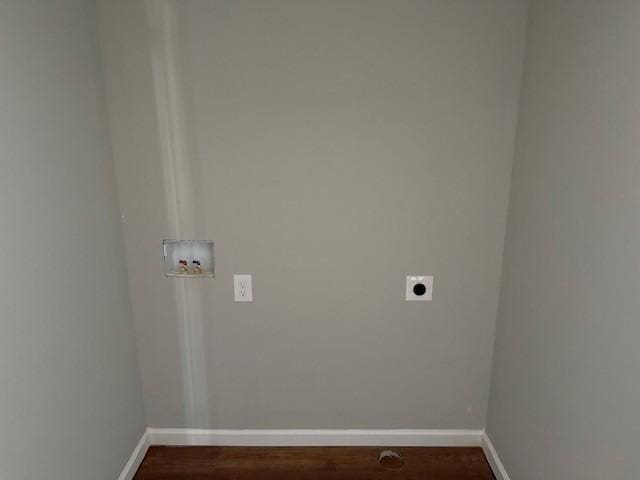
181	204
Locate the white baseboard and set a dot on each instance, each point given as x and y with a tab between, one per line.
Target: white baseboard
287	438
494	460
131	467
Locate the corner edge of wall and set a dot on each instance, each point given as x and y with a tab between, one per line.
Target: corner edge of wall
140	450
493	458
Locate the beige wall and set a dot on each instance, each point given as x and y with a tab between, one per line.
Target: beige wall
566	384
70	396
336	147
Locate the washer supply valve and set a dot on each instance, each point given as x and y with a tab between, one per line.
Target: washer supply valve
184	266
197	269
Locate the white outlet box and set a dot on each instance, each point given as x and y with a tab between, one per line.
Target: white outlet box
419	288
242	288
188	258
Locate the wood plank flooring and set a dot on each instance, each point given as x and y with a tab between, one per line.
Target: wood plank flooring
311	463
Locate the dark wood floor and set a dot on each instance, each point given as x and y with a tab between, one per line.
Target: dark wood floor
310	463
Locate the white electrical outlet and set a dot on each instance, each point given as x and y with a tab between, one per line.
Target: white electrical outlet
242	288
419	288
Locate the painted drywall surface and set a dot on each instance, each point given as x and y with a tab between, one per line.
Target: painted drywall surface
566	384
70	402
341	146
126	58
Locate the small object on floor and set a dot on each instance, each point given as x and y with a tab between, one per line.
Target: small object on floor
390	460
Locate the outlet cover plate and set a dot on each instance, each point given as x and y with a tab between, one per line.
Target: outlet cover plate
419	288
242	288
